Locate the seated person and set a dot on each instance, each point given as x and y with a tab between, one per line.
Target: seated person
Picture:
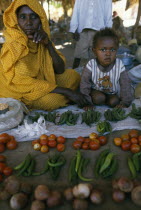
104	79
31	69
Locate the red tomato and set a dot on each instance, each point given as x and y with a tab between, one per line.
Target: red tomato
60	147
77	144
85	145
35	142
80	138
2	158
4	138
135	148
87	140
44	136
12	144
139	138
2	166
52	137
133	133
43	141
134	140
94	144
52	143
1	178
125	145
102	140
7	171
61	139
2	147
125	137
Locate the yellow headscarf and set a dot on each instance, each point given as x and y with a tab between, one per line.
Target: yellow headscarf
20	79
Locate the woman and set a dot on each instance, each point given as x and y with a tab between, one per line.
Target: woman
31	69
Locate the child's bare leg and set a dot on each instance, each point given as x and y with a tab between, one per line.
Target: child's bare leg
98	97
112	100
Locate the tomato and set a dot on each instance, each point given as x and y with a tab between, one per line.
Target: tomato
52	143
133	133
2	158
102	140
85	145
134	140
44	142
60	147
87	140
94	144
93	136
80	138
7	171
117	141
4	138
12	138
61	139
139	138
125	145
12	144
44	148
1	178
37	146
35	141
2	166
44	136
2	147
77	144
135	148
125	137
52	137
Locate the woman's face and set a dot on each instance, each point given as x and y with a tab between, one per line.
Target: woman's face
28	21
105	51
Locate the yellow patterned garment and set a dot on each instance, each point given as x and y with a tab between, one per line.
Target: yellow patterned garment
26	68
138	91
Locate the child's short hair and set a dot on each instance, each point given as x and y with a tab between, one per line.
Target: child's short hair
106	32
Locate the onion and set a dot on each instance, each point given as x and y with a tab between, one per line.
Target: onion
18	201
118	196
54	199
26	188
96	197
38	205
81	190
68	194
80	204
12	185
125	184
41	192
4	195
115	184
136	195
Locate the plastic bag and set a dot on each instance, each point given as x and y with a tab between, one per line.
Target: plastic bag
135	74
13	117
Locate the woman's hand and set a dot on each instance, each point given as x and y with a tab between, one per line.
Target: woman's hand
41	36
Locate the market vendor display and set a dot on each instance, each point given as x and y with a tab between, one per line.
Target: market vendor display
31	69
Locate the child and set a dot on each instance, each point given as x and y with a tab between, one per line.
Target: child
104	79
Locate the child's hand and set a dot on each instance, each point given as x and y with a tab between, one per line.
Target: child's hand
89	107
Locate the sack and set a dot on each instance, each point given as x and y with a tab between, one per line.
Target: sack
13	117
135	74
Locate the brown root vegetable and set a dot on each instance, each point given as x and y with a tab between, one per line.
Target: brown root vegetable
41	192
80	204
125	184
4	195
38	205
26	188
136	195
118	196
12	185
96	197
18	201
54	199
68	194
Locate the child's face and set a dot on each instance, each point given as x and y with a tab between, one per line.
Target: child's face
105	51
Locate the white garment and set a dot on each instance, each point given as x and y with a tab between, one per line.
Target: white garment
106	80
92	14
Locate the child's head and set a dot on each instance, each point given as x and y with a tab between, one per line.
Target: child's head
105	45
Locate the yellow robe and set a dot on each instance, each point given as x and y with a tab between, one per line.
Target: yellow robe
26	68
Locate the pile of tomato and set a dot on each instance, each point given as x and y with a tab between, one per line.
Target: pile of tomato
93	142
44	143
7	142
5	170
129	142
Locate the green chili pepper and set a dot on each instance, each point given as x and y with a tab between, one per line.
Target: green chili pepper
78	159
107	162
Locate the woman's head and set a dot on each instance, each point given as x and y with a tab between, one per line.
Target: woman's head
105	45
28	20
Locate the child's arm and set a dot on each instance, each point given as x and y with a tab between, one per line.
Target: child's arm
126	94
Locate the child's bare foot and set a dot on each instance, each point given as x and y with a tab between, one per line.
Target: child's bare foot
90	107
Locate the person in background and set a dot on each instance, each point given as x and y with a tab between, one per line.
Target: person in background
88	17
104	80
31	69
